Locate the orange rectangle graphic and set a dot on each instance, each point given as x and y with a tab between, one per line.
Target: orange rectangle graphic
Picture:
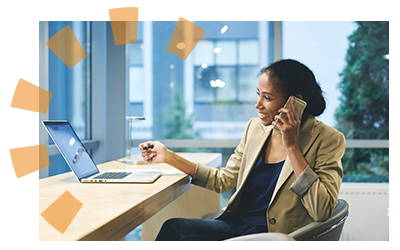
27	160
30	97
124	24
67	47
124	14
185	38
62	211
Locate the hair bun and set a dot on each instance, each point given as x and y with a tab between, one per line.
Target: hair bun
293	78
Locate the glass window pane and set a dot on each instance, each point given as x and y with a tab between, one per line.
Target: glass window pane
69	86
248	52
248	82
203	53
203	90
352	71
322	47
350	62
227	54
225	84
366	165
135	53
136	87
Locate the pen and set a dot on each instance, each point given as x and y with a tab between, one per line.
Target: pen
144	148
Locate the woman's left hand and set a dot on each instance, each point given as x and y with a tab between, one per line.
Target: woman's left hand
290	127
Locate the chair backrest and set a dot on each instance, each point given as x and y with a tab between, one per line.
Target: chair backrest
329	230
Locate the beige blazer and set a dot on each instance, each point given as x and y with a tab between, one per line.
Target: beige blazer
295	202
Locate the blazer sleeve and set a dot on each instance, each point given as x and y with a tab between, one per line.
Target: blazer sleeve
224	179
318	186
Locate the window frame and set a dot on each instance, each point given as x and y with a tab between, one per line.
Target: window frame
90	144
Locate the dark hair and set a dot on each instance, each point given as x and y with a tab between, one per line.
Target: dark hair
293	77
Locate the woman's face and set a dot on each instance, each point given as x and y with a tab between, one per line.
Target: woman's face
269	100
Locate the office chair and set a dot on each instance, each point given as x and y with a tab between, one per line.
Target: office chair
329	230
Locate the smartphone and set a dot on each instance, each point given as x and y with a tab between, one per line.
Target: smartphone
300	106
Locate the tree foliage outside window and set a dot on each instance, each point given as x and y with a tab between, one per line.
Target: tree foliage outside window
176	123
364	109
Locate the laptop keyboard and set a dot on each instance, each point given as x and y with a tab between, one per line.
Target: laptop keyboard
113	175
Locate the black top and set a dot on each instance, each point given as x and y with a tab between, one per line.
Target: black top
257	193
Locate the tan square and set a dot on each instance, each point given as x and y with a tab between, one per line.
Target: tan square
185	38
27	160
67	47
125	32
62	211
124	24
30	97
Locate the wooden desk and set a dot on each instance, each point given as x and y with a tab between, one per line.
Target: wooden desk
110	211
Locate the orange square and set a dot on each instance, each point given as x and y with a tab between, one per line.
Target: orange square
124	24
27	160
185	38
125	32
62	212
30	97
67	47
130	14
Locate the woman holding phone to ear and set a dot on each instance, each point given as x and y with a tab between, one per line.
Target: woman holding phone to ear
285	180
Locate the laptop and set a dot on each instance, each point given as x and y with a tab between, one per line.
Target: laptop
80	162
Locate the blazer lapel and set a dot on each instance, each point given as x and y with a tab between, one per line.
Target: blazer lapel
255	147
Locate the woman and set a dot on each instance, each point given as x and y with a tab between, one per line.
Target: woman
284	180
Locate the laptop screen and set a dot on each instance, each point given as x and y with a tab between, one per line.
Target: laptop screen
71	148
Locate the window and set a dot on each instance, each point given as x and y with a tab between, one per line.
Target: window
350	61
136	79
71	89
213	90
226	91
210	95
225	71
322	47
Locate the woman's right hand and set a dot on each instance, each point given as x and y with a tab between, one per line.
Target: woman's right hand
157	154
